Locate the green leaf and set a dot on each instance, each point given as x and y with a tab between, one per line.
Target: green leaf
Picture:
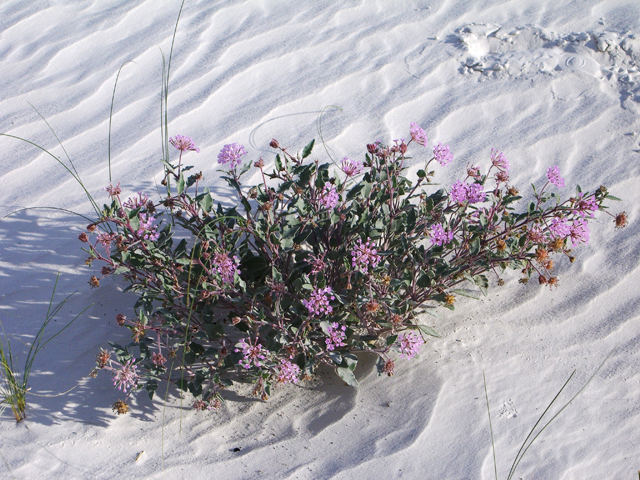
180	185
347	375
278	163
611	197
151	387
464	293
307	150
391	339
245	168
206	203
428	331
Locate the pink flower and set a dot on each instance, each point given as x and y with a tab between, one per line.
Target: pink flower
318	302
288	372
230	154
410	344
226	267
559	228
351	167
329	197
133	202
553	174
458	192
475	193
183	143
105	240
579	232
363	255
418	135
336	336
158	359
439	236
442	154
586	207
113	191
253	354
125	376
147	230
499	160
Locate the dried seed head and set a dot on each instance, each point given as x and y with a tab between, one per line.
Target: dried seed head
513	191
372	307
83	237
501	245
91	227
542	280
523	280
557	244
500	282
94	282
120	407
389	367
553	282
621	220
372	148
274	143
102	358
541	254
449	299
259	163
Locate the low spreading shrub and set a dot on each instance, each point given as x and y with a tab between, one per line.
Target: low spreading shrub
315	263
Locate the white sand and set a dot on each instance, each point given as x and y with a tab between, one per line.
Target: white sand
536	86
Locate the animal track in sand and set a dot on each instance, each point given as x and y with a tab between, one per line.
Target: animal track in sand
493	52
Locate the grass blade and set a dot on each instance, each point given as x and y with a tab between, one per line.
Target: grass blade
113	98
493	446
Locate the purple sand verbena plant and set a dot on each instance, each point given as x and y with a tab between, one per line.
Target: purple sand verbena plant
315	265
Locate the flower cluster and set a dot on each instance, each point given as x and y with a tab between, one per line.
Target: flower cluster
226	267
230	155
148	230
184	143
335	336
288	372
553	175
329	197
364	255
125	377
252	354
410	344
318	302
439	236
351	167
462	192
442	154
418	135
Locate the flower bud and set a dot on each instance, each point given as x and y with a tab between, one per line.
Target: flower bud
372	147
83	237
274	143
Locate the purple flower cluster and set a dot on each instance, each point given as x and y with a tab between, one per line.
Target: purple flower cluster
253	354
336	336
125	376
418	135
226	267
113	191
579	232
136	202
553	174
462	192
410	344
351	167
586	207
148	230
288	372
438	235
499	160
329	197
318	302
364	255
559	228
442	154
230	155
105	240
183	143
